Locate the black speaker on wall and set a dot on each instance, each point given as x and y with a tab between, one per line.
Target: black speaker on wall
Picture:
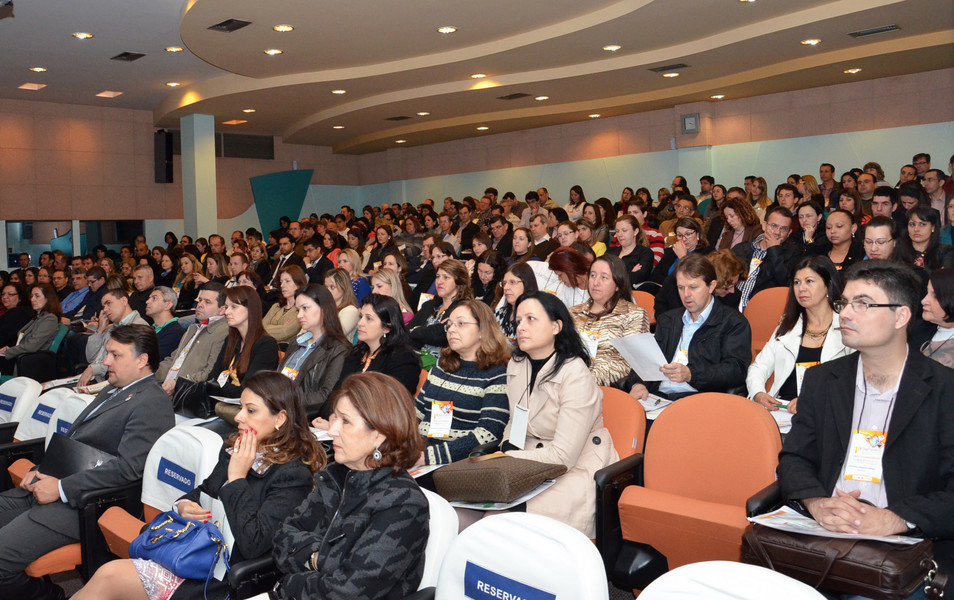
163	156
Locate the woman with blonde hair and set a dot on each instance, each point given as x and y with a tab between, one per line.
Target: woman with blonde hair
338	282
281	320
349	260
757	196
387	282
186	284
742	223
808	189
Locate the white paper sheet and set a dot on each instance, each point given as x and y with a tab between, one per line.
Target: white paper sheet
654	405
505	505
642	353
788	519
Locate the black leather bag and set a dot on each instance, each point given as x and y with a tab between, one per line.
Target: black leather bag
193	398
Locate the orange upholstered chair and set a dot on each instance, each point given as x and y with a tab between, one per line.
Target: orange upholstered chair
626	420
646	301
763	312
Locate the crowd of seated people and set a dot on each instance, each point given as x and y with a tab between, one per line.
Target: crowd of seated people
512	309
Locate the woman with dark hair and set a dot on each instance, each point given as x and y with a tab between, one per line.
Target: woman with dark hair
264	472
186	284
488	272
567	234
427	327
594	213
563	275
840	228
258	260
585	234
758	197
471	374
555	217
690	240
849	181
607	315
315	358
920	243
281	322
742	223
522	246
480	244
171	241
29	276
216	267
574	208
850	200
633	250
384	236
517	281
357	240
811	223
362	532
39	332
167	271
338	282
808	334
202	245
330	247
938	309
947	233
550	384
15	312
383	345
654	239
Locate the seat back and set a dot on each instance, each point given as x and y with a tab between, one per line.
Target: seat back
420	381
625	418
710	446
16	396
61	332
178	462
442	525
522	555
63	416
647	302
763	313
36	418
725	580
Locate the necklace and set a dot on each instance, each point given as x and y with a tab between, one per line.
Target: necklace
819	333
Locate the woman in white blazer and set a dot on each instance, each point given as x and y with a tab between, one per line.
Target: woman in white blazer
808	334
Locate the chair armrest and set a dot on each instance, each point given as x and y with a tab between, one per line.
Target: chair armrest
424	594
32	450
19	470
119	530
484	449
251	577
92	504
765	500
39	365
610	483
6	432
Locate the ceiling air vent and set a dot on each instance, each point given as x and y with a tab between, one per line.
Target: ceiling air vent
874	31
128	56
398	118
516	96
668	68
230	25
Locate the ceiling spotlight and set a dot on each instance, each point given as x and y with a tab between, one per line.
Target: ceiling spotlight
33	86
852	71
173	84
478	75
283	28
38	69
173	49
594	116
423	113
446	29
338	127
400	141
109	94
541	98
670	75
234	122
718	96
811	42
273	52
612	47
339	92
82	35
483	128
248	110
747	1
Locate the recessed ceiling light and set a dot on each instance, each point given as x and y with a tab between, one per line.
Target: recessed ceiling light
670	75
82	35
718	96
38	69
400	141
811	42
283	28
338	127
594	116
747	1
423	113
852	71
109	94
173	49
483	128
248	110
173	83
541	98
612	47
234	122
339	92
478	75
33	86
446	29
273	52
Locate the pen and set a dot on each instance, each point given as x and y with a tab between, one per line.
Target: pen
657	402
780	405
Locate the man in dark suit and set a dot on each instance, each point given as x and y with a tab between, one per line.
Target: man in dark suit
502	235
125	420
318	264
871	449
287	258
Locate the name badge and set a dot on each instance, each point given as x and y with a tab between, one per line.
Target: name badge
591	340
19	337
864	455
179	360
290	373
681	357
518	427
424	298
442	414
549	291
754	264
223	378
377	264
800	369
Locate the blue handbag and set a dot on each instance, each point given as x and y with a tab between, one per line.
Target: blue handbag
188	548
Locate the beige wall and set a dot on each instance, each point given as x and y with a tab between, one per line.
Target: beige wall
59	161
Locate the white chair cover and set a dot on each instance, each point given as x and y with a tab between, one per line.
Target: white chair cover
16	397
722	580
35	419
178	462
64	415
443	525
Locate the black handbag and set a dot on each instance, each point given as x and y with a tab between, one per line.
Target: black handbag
193	398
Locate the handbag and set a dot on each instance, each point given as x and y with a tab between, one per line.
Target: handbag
188	548
870	568
192	398
492	478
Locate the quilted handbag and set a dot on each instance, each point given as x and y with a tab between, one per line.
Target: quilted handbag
188	548
492	478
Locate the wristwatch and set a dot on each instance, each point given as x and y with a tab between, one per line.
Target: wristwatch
912	528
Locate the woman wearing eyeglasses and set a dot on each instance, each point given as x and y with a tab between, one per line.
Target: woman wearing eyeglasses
689	240
808	334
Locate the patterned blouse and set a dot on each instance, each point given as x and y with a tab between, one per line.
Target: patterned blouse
626	319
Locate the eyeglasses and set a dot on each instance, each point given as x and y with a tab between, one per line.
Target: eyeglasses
686	236
860	306
458	324
779	228
878	243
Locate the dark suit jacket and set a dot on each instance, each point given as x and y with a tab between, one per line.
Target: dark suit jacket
126	424
505	245
294	259
316	272
918	458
